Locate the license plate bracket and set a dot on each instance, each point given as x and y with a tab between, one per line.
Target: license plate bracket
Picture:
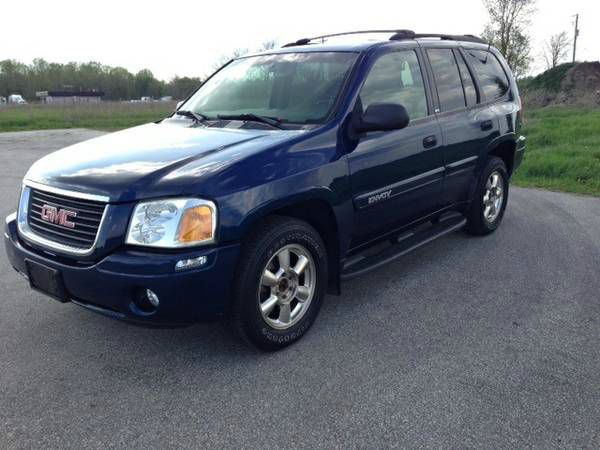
46	280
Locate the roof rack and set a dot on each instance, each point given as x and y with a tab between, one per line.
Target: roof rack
306	41
399	35
444	37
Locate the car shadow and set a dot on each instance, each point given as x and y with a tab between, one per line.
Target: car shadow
95	338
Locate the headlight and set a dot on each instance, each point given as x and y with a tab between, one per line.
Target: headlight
173	223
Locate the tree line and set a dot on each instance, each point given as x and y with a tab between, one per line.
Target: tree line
117	83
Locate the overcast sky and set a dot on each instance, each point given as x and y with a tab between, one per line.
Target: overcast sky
187	37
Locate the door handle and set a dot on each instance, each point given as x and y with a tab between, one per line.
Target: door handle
430	141
487	125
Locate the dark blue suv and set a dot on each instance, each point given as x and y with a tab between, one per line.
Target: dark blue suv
283	174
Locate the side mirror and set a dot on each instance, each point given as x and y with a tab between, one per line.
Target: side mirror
383	117
178	105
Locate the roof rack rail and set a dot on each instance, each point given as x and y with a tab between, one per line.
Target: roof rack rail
398	35
306	41
443	37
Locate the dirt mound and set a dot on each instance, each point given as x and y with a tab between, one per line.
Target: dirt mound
568	84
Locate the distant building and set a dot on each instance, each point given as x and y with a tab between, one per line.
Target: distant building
69	97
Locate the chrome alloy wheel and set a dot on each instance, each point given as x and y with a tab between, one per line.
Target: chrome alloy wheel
493	197
287	286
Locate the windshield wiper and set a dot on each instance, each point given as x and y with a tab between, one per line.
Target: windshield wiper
200	118
275	123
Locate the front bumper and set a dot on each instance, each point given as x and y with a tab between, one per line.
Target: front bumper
108	286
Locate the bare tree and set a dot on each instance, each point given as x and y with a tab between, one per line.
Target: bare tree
269	44
224	59
266	45
556	49
507	31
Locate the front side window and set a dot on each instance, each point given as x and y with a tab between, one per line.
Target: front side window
291	87
396	78
490	73
447	79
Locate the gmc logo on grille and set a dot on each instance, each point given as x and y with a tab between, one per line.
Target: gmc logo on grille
58	216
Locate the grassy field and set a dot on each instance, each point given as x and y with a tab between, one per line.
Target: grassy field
108	116
563	151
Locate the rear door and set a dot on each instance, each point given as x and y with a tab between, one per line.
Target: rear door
467	125
397	175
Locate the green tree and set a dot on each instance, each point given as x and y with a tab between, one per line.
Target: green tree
181	87
507	31
13	77
120	84
146	85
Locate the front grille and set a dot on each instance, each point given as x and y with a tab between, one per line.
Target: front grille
85	216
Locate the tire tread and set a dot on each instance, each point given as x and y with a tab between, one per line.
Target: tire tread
476	224
253	247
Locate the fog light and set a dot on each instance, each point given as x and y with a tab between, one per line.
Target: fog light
190	263
152	298
145	301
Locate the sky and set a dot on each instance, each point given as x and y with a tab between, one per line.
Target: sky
188	37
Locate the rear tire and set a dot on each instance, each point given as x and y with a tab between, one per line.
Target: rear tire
280	283
489	201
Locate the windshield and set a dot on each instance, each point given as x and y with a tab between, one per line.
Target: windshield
291	87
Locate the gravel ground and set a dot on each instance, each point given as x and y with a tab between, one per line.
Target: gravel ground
469	342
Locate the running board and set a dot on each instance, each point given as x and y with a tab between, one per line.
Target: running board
361	265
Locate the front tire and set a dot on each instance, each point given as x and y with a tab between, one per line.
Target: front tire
490	199
280	284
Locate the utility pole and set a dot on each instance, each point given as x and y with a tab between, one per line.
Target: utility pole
576	34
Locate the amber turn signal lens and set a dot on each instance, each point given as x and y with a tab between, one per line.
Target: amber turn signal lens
196	225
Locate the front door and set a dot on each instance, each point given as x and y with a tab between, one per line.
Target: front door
397	175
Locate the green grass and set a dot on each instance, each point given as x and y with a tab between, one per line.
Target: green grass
563	150
550	80
104	116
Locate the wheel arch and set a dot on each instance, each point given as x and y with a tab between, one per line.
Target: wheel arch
318	212
504	148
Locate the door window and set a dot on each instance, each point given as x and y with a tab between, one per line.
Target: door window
447	79
467	80
396	78
490	73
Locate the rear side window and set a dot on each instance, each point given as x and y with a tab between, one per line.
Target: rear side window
396	78
467	80
490	73
447	79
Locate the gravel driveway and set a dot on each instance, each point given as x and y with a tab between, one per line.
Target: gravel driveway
469	342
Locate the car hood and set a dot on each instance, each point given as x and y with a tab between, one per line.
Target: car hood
150	160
